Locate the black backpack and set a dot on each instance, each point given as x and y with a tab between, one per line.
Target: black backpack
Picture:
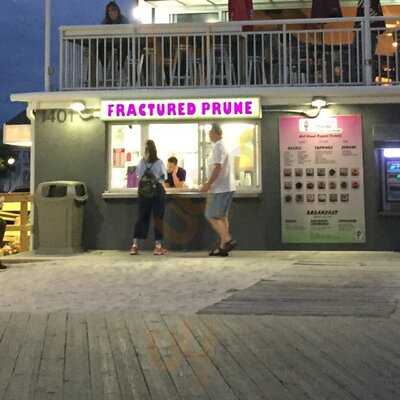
148	184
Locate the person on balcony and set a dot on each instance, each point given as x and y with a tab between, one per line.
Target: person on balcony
111	52
113	15
242	10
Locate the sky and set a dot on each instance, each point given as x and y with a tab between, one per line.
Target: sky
22	42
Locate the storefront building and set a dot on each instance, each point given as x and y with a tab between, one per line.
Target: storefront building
308	177
302	183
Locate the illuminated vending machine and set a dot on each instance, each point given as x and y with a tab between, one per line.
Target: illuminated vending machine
390	180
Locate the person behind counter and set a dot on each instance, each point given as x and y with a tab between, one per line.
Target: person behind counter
152	170
176	175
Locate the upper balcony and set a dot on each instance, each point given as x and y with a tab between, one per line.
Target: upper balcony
296	52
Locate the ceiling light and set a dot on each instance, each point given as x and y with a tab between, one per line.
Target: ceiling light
11	161
319	102
77	106
391	152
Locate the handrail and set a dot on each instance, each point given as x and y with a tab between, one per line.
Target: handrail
24	227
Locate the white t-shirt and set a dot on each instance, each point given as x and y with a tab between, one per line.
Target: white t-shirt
225	181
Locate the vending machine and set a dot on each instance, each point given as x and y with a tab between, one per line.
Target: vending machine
389	158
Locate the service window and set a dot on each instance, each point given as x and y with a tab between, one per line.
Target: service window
190	144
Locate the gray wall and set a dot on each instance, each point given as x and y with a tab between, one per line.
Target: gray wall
77	151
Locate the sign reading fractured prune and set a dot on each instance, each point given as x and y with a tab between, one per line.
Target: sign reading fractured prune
180	109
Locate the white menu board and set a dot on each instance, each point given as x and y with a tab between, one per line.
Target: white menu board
322	186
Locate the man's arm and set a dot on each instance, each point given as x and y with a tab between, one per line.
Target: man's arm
214	175
178	183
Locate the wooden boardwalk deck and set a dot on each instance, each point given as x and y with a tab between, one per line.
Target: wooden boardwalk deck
125	355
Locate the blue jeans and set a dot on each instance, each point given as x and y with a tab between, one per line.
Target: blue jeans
155	206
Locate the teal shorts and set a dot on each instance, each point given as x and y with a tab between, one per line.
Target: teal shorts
218	205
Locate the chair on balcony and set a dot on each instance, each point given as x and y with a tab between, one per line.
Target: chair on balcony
223	71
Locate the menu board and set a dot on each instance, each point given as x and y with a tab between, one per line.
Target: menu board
322	187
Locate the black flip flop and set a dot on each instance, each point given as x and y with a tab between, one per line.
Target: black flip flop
218	252
229	246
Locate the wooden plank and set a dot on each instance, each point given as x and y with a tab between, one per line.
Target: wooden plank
382	337
259	373
23	381
207	373
76	372
10	347
5	318
159	382
184	378
237	378
311	308
103	375
274	357
328	358
24	224
18	228
130	376
50	380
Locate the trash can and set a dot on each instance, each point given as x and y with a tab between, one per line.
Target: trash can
60	211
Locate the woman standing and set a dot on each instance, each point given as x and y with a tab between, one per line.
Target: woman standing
152	174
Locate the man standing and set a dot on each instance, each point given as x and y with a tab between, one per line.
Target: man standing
221	186
176	175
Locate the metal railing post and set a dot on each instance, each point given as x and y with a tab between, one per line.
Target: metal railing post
367	43
285	66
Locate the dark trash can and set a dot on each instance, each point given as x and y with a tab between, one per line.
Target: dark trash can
60	211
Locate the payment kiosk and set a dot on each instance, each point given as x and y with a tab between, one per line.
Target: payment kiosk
389	160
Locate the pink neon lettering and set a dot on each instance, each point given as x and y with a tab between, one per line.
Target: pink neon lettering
160	109
191	108
216	108
206	106
151	108
238	107
110	109
142	111
227	107
171	109
120	110
181	109
131	110
248	107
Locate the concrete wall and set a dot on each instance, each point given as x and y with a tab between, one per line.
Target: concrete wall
77	151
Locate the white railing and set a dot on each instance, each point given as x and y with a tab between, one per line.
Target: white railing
306	52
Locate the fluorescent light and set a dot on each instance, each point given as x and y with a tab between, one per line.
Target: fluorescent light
77	106
17	135
319	102
391	152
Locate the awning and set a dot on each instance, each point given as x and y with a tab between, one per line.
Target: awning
326	9
17	131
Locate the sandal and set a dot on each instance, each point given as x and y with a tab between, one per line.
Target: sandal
230	245
218	252
159	251
134	250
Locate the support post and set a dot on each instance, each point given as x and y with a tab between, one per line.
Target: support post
47	45
367	43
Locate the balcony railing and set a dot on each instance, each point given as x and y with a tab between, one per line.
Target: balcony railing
309	52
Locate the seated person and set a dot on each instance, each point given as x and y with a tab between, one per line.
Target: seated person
105	47
176	175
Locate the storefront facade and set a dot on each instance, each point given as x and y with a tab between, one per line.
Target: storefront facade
280	203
